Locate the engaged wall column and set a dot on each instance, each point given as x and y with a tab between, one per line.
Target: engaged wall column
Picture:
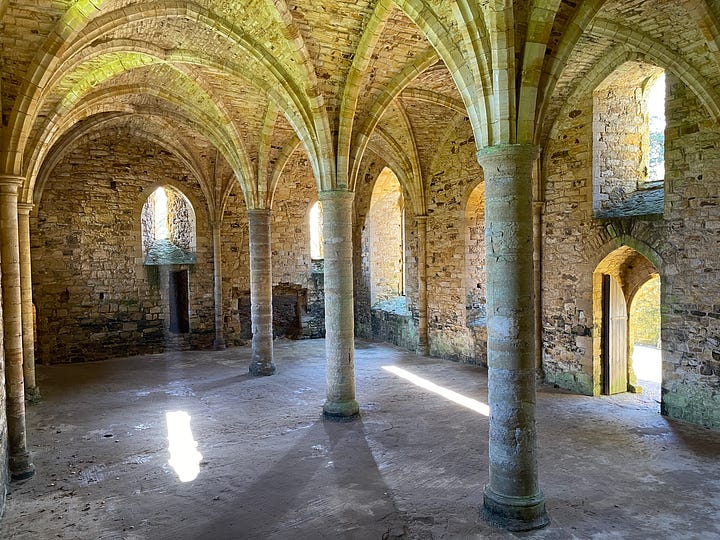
32	392
423	345
512	499
19	459
339	316
261	292
219	342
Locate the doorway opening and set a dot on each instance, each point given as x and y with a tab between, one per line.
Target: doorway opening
179	305
626	306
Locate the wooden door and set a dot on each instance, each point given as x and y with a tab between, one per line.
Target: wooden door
615	347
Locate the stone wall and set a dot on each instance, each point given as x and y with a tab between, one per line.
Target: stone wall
681	245
454	257
94	296
235	242
620	135
453	174
292	268
690	287
383	239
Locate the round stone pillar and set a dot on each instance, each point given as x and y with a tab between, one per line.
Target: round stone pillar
512	499
423	341
32	392
219	342
19	463
261	292
339	315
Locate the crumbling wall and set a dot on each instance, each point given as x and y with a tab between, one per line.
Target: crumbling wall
292	267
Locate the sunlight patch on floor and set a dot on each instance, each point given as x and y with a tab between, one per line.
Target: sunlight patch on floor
184	456
472	404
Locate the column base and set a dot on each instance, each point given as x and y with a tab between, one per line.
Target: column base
341	409
219	344
514	513
32	395
260	370
20	467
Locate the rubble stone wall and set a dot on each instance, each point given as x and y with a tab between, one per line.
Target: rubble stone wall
94	296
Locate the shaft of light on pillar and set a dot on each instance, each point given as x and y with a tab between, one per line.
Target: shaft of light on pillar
339	321
261	292
512	499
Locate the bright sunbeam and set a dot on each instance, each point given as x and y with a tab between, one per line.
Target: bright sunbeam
472	404
184	457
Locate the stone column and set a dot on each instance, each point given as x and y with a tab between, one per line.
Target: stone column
219	342
32	392
423	344
512	499
339	316
19	463
261	292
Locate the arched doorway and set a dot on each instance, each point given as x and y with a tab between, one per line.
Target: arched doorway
169	243
620	284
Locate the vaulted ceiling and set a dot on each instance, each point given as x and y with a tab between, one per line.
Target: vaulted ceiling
256	81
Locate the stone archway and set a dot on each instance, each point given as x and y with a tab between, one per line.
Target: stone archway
616	281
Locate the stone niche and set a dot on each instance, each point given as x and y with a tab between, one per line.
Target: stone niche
296	314
168	228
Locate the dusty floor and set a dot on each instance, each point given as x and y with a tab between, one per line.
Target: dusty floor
415	464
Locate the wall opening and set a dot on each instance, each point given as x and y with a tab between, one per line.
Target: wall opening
179	290
168	228
475	281
626	310
644	334
316	231
629	142
385	232
475	275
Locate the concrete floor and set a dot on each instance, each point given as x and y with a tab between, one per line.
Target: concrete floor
413	467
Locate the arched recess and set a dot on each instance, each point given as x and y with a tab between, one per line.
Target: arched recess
626	151
168	228
315	222
384	240
475	276
616	280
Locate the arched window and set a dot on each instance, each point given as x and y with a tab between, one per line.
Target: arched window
656	128
628	142
475	277
316	231
168	228
385	229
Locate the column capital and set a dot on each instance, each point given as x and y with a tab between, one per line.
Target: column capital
24	208
502	156
258	211
421	218
10	183
336	194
